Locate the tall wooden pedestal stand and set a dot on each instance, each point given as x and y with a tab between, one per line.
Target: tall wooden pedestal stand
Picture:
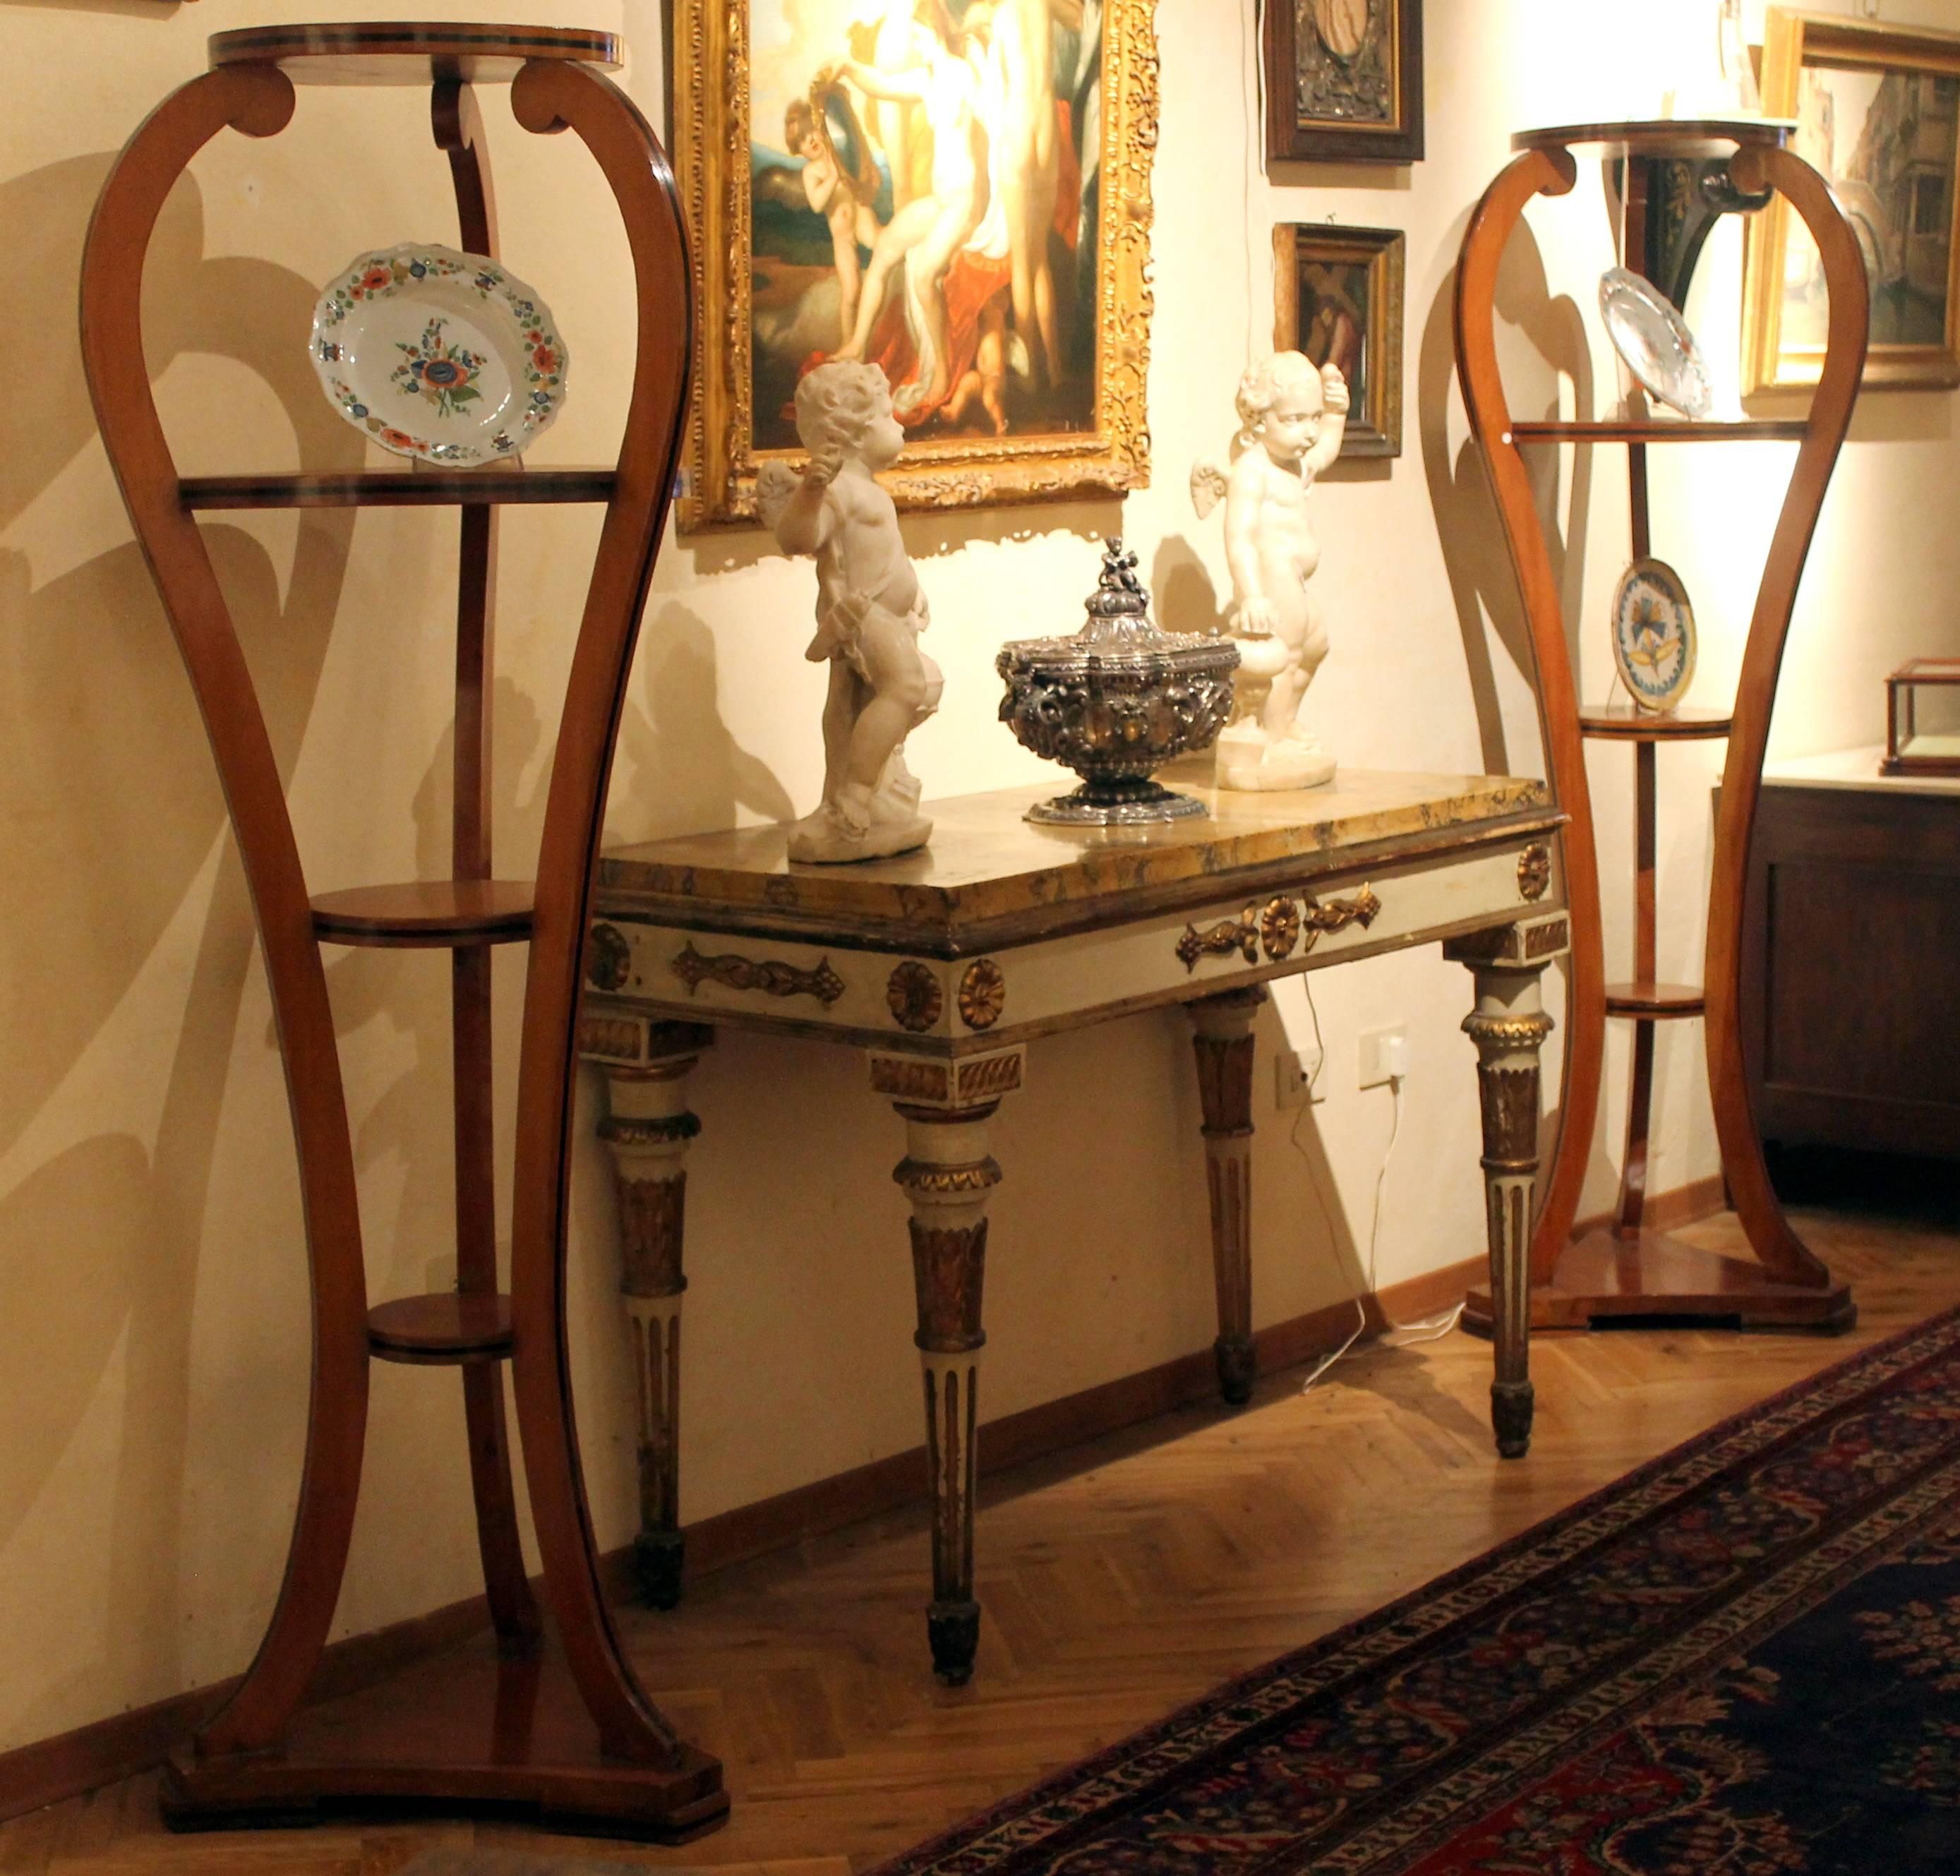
1677	178
567	1730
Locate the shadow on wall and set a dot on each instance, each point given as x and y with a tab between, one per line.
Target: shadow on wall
110	814
1482	582
1186	600
677	765
930	534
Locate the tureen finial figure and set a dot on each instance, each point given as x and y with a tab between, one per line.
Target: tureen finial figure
1291	418
870	612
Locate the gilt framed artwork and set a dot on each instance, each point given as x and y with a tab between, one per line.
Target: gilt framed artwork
1344	80
1877	110
956	190
1338	298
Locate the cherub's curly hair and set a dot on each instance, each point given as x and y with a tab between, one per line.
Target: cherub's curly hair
1259	389
837	403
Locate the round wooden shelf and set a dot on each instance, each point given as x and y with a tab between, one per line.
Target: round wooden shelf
1666	137
1627	723
434	912
1654	1002
409	52
397	489
440	1330
1659	430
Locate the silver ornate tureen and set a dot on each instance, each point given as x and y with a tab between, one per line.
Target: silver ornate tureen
1115	701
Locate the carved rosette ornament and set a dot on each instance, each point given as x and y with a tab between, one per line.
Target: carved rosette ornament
983	994
609	958
913	996
1534	871
1279	928
648	1132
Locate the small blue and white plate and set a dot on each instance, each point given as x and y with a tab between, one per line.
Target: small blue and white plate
1653	634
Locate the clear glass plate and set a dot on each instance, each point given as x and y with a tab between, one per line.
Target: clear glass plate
1654	340
439	356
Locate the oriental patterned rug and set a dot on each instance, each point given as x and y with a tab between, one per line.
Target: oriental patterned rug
1742	1660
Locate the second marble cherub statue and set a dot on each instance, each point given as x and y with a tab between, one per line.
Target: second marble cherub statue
1291	420
870	610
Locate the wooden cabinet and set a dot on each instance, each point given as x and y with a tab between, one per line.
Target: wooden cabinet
1851	1006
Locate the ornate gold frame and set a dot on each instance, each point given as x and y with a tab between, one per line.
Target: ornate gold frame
1792	41
710	55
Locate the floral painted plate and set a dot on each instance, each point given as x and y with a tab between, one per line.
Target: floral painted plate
438	356
1656	342
1653	634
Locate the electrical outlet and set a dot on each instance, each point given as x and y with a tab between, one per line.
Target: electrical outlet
1384	1055
1294	1076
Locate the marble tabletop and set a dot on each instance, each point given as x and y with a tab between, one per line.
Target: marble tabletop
986	862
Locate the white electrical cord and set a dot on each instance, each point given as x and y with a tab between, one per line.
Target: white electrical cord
1412	1334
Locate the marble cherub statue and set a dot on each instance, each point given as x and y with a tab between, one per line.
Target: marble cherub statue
1291	417
870	612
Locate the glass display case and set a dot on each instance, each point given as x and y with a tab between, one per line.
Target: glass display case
1922	718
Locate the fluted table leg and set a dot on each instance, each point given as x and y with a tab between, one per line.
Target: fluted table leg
947	1173
648	1132
1222	1039
1509	1026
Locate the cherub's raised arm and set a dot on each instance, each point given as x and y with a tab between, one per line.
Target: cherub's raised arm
1334	425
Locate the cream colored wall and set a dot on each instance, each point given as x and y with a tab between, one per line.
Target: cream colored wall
152	1338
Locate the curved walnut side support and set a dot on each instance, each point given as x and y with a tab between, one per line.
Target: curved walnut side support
545	97
1540	173
457	125
1782	1252
257	100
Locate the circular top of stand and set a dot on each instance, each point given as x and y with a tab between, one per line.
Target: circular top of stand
1677	137
410	52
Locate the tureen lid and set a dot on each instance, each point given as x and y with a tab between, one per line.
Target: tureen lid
1119	630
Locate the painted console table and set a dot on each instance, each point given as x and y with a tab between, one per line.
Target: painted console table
944	964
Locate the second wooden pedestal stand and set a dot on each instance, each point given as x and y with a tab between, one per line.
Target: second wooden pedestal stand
1677	178
566	1731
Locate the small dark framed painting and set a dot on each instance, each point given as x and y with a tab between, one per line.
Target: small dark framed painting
1338	298
1344	80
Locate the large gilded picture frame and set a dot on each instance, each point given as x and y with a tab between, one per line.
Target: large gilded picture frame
1877	109
958	190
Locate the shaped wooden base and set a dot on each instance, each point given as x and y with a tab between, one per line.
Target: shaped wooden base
464	1731
1602	1276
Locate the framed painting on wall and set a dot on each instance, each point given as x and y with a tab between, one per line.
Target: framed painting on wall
1344	80
1338	298
956	190
1877	110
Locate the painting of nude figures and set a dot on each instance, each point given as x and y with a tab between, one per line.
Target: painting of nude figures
957	191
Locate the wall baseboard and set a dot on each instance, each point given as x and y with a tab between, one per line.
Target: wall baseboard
111	1749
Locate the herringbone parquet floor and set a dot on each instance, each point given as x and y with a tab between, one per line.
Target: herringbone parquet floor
1119	1579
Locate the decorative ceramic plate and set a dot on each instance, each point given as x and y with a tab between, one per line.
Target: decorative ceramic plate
1653	634
443	357
1655	342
